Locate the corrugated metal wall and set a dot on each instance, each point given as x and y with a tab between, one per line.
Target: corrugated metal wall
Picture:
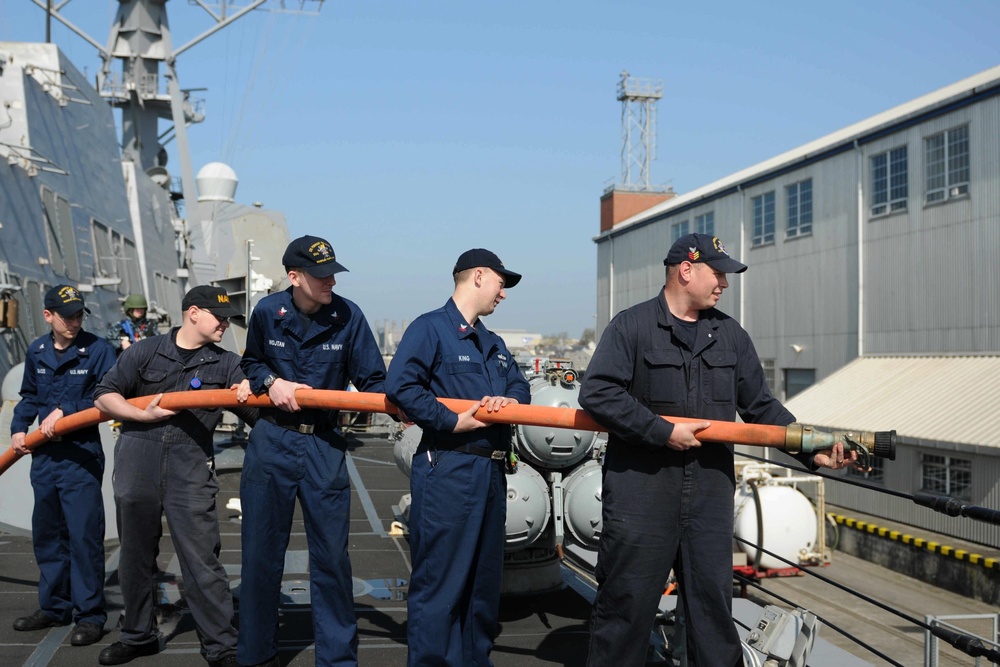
929	272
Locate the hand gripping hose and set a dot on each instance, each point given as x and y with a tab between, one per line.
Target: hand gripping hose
793	439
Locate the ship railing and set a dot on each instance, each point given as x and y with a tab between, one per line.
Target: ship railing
985	624
151	86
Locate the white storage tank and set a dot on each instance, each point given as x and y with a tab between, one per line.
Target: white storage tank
548	447
789	524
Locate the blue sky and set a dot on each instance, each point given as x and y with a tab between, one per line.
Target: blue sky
407	131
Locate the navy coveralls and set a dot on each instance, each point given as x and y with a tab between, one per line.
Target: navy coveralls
67	524
283	463
664	508
459	494
168	468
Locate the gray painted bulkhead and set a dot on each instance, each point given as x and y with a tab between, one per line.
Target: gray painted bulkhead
87	176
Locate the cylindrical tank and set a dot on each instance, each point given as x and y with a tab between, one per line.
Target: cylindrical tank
582	504
406	447
554	448
528	507
789	524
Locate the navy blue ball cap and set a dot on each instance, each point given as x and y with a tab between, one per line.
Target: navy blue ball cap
65	300
471	259
703	248
313	255
211	298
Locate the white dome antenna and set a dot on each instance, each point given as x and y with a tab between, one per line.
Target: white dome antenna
216	182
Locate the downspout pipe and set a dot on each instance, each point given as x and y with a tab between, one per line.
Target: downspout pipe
861	246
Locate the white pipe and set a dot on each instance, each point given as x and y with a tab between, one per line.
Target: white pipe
861	248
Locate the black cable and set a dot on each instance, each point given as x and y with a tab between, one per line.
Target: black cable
972	646
943	504
760	526
834	626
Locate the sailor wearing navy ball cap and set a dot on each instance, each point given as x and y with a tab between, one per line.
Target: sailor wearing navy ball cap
304	337
160	469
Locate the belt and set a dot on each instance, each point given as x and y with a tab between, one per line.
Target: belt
493	454
290	423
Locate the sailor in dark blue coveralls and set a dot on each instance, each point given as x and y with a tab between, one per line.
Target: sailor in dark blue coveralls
667	501
458	483
61	370
304	337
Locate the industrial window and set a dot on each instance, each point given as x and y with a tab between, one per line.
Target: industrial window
890	181
104	261
705	223
63	257
876	474
168	294
768	366
798	379
35	294
947	158
800	209
946	475
763	219
116	260
132	283
679	229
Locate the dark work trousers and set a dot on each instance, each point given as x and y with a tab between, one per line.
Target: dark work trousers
663	509
153	478
457	536
67	528
280	466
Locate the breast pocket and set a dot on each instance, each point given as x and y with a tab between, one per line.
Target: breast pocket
213	378
464	379
720	367
152	376
665	383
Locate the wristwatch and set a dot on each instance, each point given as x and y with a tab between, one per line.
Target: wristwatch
269	380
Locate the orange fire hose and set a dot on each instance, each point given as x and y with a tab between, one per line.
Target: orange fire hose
761	435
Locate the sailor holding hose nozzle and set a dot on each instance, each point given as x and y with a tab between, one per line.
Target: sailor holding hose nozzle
667	501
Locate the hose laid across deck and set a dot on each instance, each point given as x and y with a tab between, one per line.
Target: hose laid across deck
761	435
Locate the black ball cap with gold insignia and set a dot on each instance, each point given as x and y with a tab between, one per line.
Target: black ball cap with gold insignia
313	255
211	298
703	248
65	300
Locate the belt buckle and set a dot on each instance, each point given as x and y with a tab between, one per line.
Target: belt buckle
306	429
498	455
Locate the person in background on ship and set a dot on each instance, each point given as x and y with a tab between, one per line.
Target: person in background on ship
303	337
134	326
61	371
458	482
668	500
165	465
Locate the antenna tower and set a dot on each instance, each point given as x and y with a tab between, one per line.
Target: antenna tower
638	98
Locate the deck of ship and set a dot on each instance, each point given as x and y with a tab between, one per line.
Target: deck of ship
548	629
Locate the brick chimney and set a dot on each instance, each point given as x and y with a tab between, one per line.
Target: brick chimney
618	205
